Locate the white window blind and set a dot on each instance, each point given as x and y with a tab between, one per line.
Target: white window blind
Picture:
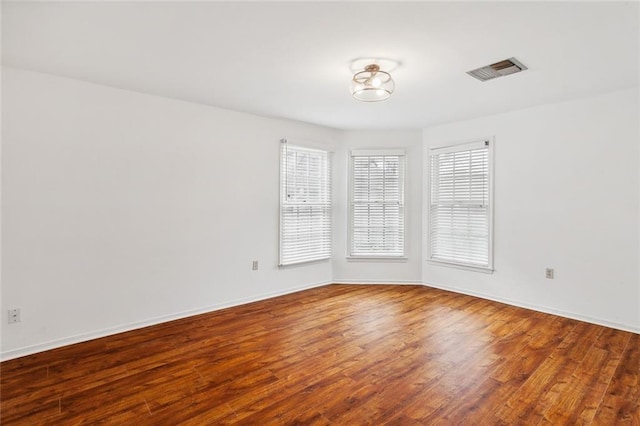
305	204
459	205
377	203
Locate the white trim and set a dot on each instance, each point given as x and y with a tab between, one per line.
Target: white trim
79	338
455	144
307	144
379	282
464	266
303	262
400	152
377	258
492	185
540	308
29	350
475	144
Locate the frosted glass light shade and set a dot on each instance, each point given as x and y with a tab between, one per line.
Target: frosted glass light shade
372	85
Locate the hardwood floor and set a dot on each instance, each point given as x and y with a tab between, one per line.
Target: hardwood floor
339	355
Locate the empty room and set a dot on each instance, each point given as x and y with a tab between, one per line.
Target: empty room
320	213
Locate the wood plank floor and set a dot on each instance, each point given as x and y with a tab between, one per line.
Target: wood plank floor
338	355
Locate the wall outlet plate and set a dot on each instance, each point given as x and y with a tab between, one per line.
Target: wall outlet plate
14	315
254	265
549	273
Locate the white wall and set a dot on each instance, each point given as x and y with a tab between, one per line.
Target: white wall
379	271
567	197
119	209
122	209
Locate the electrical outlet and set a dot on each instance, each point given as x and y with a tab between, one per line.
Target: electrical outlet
549	273
254	265
14	315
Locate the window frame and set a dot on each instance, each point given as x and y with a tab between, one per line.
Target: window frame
458	147
395	152
326	253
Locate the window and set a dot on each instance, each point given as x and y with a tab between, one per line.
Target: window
305	205
377	203
460	213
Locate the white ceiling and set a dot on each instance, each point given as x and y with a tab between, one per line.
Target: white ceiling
292	59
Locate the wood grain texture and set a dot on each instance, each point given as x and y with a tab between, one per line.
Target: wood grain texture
338	355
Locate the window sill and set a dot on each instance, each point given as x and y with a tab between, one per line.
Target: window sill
481	269
303	262
377	259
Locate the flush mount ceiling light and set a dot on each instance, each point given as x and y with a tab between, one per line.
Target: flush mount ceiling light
372	84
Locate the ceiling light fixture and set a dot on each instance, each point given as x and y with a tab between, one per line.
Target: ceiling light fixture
372	84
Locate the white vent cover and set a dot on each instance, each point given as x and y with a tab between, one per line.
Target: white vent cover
499	69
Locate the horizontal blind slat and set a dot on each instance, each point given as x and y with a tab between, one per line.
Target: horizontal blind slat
305	205
459	205
377	203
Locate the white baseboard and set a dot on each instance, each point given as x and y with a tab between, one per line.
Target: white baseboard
539	308
381	282
53	344
28	350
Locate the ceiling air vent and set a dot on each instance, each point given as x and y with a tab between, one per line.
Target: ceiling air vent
499	69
